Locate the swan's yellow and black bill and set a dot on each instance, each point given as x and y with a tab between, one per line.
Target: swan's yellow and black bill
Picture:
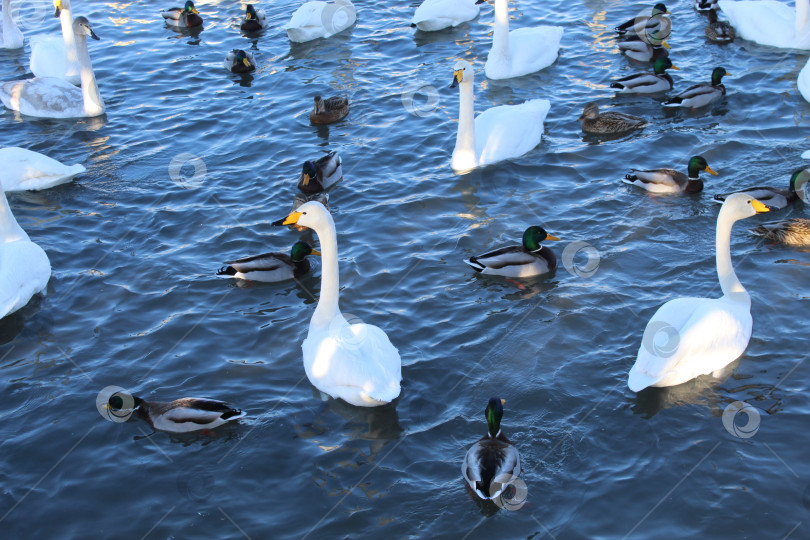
760	207
551	237
292	219
57	4
457	75
710	170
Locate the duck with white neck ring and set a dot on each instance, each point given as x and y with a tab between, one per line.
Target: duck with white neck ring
703	334
353	362
499	133
48	97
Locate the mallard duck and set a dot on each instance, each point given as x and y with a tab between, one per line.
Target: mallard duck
49	97
12	38
22	169
255	19
520	51
708	333
240	62
499	133
271	267
643	25
791	232
719	31
329	110
647	83
178	416
706	5
184	17
354	362
775	198
643	51
492	462
700	95
770	23
609	122
527	260
24	266
321	174
670	180
314	20
432	15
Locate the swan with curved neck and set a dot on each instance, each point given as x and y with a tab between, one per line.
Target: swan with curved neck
47	97
354	362
57	56
701	335
521	51
769	22
499	133
12	37
24	266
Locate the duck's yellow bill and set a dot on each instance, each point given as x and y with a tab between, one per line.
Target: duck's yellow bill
305	180
710	170
674	67
315	252
503	401
665	44
759	207
246	62
551	237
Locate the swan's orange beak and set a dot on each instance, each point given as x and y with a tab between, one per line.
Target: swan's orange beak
292	219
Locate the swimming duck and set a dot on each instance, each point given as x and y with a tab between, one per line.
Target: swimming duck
178	416
719	31
240	62
670	180
643	51
432	15
329	110
314	20
271	267
354	362
775	198
770	23
184	17
491	463
49	97
12	38
700	95
529	259
609	122
499	133
22	169
644	26
647	83
792	232
706	5
255	19
320	175
708	333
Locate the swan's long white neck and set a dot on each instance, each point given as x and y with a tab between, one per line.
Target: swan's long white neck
328	308
731	286
500	35
93	103
66	20
464	152
802	14
10	230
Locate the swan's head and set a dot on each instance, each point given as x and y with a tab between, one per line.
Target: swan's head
300	250
312	214
662	64
189	8
698	164
718	73
58	7
250	13
533	236
81	26
494	413
798	183
591	111
462	72
742	205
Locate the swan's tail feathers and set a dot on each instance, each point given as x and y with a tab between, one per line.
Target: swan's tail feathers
477	266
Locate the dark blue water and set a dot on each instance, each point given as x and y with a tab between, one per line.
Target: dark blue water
191	164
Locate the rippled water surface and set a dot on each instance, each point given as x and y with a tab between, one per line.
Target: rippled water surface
133	300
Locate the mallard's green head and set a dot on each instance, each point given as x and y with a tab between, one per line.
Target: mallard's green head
241	57
533	236
662	64
494	413
300	250
308	172
250	12
189	7
717	74
659	9
697	164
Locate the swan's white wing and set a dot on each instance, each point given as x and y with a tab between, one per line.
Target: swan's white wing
24	271
308	16
803	83
22	169
44	97
434	15
509	131
49	59
766	22
533	48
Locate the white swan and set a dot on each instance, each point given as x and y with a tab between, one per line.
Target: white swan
318	19
22	169
353	362
499	133
768	22
12	38
49	97
803	82
688	337
56	56
24	266
520	51
432	15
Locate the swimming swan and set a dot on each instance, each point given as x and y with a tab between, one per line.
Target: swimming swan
55	56
768	22
22	169
12	38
